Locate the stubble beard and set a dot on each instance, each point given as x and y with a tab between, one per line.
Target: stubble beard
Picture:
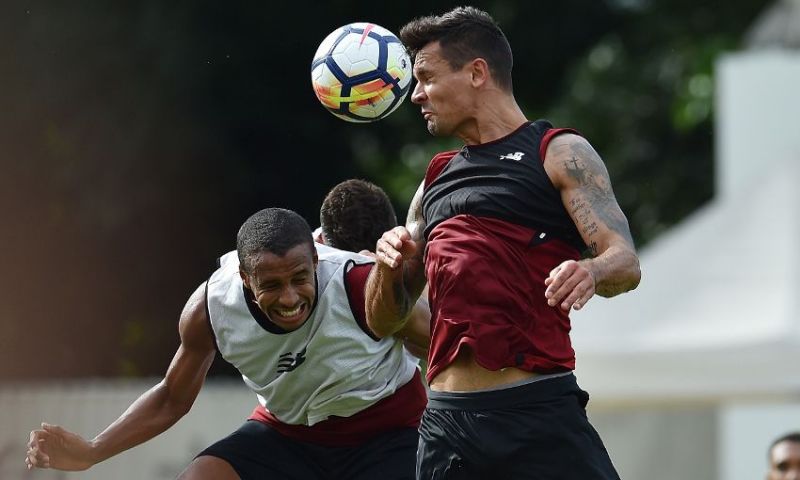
433	128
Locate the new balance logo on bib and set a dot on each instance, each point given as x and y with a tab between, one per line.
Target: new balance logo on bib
513	156
289	362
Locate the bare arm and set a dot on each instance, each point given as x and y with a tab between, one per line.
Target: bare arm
397	279
416	333
151	414
577	171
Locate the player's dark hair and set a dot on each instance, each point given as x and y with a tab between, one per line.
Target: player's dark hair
354	215
464	34
273	230
793	437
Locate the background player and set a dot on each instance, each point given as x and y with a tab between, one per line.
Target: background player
784	458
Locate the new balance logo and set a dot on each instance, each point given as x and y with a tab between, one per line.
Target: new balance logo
289	361
513	156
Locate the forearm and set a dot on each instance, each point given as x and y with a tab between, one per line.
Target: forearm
150	415
389	303
416	333
615	271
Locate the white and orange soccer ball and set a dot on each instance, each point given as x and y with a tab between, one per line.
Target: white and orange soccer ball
361	72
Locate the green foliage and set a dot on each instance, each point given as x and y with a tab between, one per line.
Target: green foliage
643	95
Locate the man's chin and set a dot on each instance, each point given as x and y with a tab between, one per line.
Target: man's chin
436	130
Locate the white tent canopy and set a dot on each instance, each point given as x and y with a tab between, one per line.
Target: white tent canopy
717	312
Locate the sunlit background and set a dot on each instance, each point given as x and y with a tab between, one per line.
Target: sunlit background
135	137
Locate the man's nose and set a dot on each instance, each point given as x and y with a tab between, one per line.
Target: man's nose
289	297
418	95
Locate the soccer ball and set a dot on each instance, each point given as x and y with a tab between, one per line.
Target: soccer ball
361	72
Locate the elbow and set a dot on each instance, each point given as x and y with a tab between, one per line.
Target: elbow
173	407
631	275
181	408
381	329
634	274
623	281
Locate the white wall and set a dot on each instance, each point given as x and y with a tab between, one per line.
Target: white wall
745	433
757	105
86	407
660	442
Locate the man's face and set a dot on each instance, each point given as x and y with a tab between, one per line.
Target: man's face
784	461
284	287
445	95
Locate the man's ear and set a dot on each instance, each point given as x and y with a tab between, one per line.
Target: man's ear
479	71
245	278
318	236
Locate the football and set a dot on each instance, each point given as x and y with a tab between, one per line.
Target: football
361	72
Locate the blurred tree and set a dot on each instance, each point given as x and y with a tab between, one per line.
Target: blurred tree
135	137
643	95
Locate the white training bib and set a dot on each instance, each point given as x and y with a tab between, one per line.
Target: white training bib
329	366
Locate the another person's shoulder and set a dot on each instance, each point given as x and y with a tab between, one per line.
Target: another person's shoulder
335	258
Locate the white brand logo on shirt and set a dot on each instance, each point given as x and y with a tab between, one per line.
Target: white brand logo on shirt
513	156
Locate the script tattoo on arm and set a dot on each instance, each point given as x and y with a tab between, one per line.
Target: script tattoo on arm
595	201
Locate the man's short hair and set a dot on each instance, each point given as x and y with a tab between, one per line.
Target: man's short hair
354	215
273	230
793	437
464	34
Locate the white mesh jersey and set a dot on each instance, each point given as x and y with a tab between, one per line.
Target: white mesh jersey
329	366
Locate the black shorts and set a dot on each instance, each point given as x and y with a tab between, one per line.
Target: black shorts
258	452
536	431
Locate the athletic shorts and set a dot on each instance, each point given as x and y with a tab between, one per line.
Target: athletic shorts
258	452
536	431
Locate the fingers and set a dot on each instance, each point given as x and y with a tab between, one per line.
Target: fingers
570	285
388	250
54	429
35	456
387	255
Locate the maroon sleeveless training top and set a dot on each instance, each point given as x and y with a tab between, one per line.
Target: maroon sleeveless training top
495	228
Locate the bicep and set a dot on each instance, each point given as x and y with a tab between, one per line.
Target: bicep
415	222
187	371
585	187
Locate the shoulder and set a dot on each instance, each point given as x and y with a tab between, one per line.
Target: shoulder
194	326
568	156
335	258
559	142
225	264
437	164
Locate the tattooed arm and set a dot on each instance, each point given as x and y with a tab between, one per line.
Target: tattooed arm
397	279
577	171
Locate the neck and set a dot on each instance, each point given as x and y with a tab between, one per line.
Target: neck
496	116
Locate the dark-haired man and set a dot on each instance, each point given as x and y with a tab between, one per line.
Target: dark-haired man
784	458
353	216
336	401
368	210
498	228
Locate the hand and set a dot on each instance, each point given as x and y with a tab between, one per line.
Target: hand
54	447
394	247
570	284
